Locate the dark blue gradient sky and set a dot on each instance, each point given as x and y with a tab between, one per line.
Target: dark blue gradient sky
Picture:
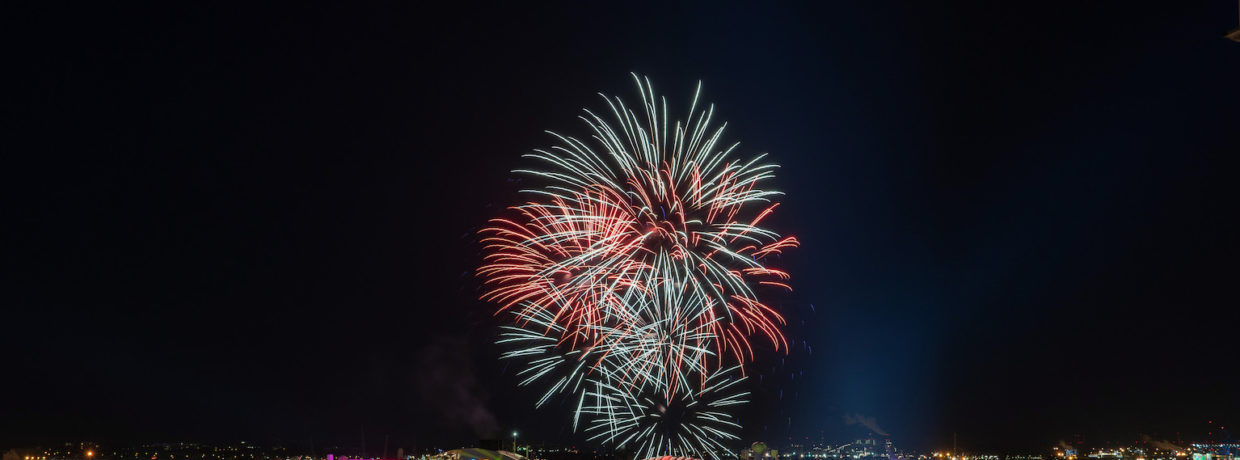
238	222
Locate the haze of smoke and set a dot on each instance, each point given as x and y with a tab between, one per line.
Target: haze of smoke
446	382
868	422
1161	445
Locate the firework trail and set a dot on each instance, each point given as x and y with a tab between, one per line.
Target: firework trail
692	424
631	275
621	410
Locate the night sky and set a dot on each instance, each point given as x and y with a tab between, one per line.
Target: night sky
227	222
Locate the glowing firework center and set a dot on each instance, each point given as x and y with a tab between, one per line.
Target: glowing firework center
630	276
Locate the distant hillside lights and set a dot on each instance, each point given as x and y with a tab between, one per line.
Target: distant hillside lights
70	451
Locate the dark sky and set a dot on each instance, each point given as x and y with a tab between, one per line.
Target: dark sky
234	222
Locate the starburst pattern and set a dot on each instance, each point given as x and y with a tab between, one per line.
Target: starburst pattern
632	273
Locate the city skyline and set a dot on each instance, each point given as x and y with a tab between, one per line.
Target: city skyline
869	446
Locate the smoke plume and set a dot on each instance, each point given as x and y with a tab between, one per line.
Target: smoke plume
1160	445
445	379
868	422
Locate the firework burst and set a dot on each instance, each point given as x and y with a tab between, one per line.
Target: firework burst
631	274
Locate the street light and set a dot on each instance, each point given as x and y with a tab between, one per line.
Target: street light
514	442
